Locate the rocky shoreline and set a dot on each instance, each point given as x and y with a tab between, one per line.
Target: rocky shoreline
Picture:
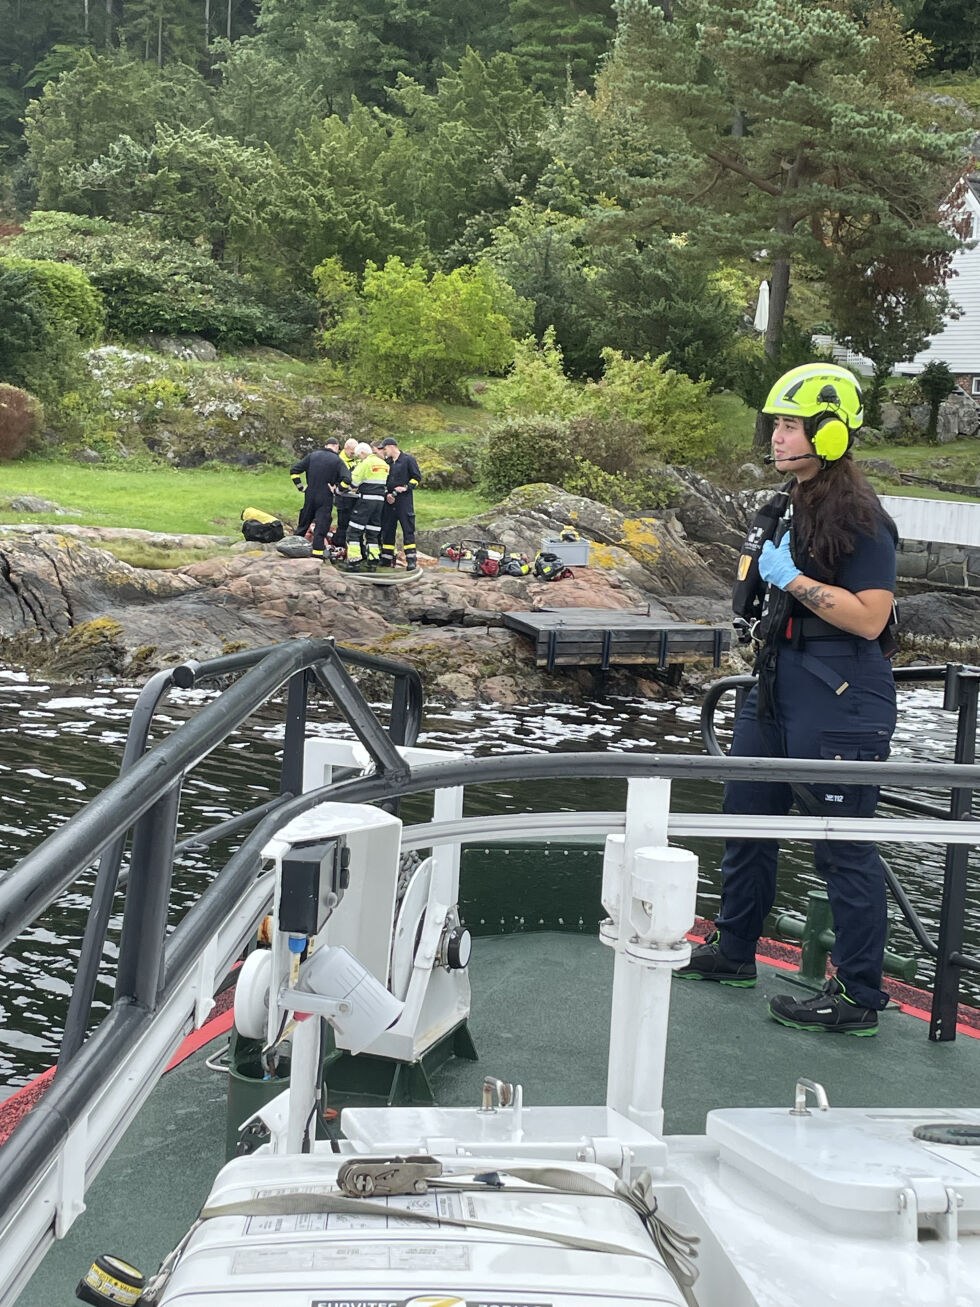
70	609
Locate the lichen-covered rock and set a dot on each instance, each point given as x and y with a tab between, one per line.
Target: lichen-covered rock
192	415
449	623
455	686
91	649
52	583
880	467
187	348
665	562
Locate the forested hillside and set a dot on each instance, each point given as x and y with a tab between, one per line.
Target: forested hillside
402	191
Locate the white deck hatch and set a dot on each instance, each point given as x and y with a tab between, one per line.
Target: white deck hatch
858	1170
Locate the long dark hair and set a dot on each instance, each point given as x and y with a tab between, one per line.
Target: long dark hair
832	509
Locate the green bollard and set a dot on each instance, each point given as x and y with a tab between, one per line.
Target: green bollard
815	947
816	933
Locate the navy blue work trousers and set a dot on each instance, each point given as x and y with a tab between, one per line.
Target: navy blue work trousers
811	721
322	514
345	507
399	514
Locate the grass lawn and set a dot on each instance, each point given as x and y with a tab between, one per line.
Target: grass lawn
958	463
736	418
198	501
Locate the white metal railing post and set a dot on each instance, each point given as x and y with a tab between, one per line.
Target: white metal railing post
304	1076
664	887
647	813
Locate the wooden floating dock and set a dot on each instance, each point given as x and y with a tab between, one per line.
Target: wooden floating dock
604	637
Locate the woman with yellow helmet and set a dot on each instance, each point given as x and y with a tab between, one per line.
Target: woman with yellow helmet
825	690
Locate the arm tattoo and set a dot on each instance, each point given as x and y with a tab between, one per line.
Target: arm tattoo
815	597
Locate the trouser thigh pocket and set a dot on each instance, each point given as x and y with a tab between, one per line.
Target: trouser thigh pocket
830	799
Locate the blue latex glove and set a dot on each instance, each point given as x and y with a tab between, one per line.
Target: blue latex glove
776	565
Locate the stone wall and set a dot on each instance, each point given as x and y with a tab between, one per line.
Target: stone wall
959	416
925	563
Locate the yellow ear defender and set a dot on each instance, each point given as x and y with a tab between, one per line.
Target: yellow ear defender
832	438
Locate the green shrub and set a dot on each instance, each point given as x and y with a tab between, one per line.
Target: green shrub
630	493
612	444
66	295
520	451
936	381
165	287
537	382
678	422
21	417
23	322
38	351
405	336
670	412
159	399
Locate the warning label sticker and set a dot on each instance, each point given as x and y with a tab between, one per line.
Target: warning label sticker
434	1206
340	1257
426	1300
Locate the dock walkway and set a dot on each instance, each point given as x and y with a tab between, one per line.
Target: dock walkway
604	637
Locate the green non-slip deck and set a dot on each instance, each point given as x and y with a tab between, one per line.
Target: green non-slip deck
541	1017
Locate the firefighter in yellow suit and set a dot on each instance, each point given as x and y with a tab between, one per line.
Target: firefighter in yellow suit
369	477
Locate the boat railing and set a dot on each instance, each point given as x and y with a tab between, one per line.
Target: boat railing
165	982
326	666
961	690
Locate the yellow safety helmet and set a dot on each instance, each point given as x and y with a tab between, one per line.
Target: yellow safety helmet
827	398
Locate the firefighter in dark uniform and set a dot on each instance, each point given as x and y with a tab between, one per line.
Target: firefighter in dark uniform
325	472
399	508
825	690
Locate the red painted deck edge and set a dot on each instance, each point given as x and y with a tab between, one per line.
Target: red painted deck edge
913	1002
23	1099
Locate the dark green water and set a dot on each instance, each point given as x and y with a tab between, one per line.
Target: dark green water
59	747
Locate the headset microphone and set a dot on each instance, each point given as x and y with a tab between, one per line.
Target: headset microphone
771	458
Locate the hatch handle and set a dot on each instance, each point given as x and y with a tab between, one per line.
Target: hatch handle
799	1107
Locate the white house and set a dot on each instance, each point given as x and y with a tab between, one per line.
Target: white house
958	344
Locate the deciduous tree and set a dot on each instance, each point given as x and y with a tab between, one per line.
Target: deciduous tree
407	336
472	148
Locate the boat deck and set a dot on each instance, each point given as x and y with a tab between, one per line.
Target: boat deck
540	1016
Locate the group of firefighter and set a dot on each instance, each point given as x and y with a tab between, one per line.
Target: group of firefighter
371	487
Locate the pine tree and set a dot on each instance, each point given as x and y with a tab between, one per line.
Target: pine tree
558	43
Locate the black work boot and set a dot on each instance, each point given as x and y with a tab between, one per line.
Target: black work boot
709	963
411	562
352	565
832	1010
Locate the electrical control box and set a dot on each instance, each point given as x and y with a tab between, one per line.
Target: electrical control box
314	875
